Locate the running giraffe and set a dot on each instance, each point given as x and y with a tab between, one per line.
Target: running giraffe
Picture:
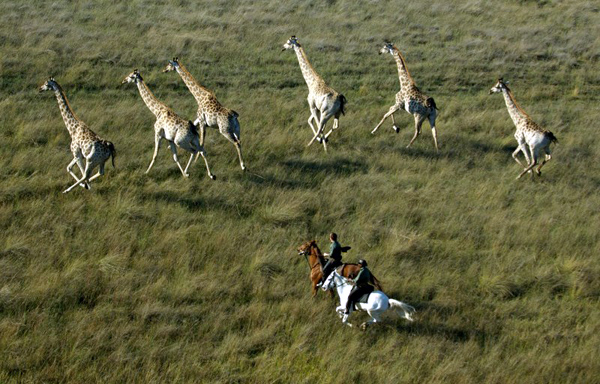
410	98
529	135
169	126
210	112
85	144
324	102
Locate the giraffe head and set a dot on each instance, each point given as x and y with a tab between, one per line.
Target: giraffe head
499	87
291	43
172	66
49	85
388	48
133	77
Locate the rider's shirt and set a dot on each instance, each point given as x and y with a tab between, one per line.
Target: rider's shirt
363	277
335	251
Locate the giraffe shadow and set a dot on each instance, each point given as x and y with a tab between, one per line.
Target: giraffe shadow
308	174
196	203
338	167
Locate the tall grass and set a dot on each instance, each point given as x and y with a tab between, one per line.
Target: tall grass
156	278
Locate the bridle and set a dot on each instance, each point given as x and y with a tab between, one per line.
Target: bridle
305	254
335	282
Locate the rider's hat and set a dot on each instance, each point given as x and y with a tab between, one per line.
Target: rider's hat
362	262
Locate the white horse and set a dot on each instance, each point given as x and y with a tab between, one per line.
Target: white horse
376	305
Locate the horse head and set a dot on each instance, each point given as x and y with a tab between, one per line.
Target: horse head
331	281
305	248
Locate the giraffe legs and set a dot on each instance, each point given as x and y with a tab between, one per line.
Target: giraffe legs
157	139
390	112
516	153
336	123
547	158
235	135
394	126
176	158
86	175
201	152
432	117
324	118
532	164
78	161
188	163
313	115
418	122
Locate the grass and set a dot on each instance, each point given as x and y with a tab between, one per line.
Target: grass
153	278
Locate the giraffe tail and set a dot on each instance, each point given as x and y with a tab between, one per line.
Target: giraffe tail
193	127
551	136
113	152
431	103
343	102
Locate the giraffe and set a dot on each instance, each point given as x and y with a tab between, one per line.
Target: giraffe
529	135
210	112
169	126
85	144
324	102
410	98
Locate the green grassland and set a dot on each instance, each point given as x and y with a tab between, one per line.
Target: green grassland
155	278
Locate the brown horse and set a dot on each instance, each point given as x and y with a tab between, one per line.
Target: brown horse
316	261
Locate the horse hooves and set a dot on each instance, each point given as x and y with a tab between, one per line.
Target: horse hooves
213	177
396	129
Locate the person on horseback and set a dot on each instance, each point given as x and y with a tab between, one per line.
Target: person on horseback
362	286
335	257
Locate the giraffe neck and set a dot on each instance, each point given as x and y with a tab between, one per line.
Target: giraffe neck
403	75
200	93
311	77
151	101
516	113
65	110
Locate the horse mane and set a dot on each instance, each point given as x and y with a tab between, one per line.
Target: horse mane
318	252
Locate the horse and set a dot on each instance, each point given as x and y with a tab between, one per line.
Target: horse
377	302
316	261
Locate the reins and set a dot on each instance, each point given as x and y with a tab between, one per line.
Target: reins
311	267
308	262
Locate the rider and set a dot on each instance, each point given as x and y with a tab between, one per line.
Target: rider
335	257
362	286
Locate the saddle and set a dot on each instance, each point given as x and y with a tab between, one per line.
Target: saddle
364	298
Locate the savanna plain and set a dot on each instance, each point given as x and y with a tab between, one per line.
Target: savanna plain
160	279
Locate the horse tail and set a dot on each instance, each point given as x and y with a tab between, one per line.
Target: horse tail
431	103
343	102
403	309
376	283
551	136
